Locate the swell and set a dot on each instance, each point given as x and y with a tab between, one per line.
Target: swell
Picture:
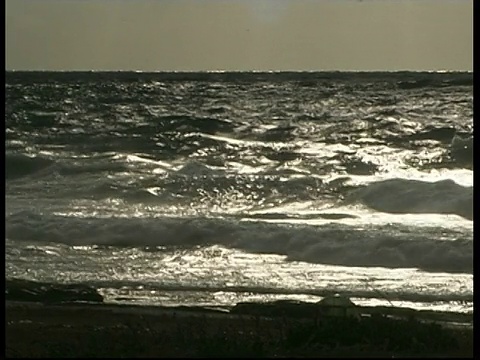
401	196
20	165
148	115
196	184
431	249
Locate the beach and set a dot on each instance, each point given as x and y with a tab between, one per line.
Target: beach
103	330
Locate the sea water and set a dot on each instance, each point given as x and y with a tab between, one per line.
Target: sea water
215	188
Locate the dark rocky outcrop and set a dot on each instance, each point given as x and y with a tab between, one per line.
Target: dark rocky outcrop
24	290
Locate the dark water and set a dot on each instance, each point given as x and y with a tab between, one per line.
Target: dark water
218	187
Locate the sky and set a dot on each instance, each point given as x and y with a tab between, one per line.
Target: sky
239	35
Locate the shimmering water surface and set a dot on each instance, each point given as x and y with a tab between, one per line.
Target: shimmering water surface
215	188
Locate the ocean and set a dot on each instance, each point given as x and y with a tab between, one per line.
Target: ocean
216	188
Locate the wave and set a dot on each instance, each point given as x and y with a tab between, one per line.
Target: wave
19	165
183	123
431	82
433	249
403	196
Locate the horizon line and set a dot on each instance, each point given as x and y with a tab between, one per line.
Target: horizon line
235	71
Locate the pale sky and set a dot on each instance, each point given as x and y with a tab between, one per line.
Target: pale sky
191	35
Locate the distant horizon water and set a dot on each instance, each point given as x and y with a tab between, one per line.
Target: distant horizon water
242	71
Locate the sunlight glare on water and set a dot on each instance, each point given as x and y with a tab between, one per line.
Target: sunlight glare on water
215	188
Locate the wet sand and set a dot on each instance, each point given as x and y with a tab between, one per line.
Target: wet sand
101	330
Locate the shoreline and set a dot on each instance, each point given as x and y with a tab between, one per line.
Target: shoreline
110	330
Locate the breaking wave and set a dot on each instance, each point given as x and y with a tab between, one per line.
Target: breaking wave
390	246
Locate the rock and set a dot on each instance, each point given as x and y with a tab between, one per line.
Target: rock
337	305
287	308
24	290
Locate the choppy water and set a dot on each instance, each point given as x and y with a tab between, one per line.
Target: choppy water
214	188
